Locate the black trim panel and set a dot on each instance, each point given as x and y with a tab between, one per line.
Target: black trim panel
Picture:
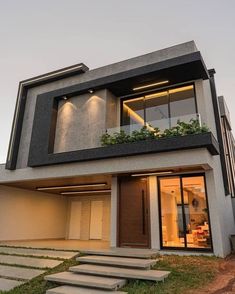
24	86
39	153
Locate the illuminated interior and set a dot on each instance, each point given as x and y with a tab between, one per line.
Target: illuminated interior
184	212
160	109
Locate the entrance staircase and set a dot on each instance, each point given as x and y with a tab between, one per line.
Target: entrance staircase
107	271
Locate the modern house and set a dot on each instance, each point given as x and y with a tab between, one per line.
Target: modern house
151	185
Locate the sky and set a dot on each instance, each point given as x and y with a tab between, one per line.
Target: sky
41	36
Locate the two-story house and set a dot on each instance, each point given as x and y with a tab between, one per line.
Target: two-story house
134	154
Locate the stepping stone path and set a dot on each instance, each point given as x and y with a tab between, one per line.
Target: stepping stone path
38	252
13	258
29	261
7	284
19	272
107	270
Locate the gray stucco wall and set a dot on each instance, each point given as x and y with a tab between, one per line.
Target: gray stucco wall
83	119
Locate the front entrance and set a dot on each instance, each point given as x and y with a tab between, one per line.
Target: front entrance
184	215
133	213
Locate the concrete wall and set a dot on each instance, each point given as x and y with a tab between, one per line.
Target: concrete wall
205	105
83	119
26	215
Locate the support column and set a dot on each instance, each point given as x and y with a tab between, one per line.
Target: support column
154	213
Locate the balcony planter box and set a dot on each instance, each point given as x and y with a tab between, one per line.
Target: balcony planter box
204	140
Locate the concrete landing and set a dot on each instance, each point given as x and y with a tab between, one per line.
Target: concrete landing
124	252
38	252
74	279
151	275
118	261
7	285
19	272
79	290
29	261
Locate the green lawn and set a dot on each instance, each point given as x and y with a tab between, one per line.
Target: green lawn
187	273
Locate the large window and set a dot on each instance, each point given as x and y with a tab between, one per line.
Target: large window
160	109
184	212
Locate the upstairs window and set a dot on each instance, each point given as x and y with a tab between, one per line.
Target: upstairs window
160	109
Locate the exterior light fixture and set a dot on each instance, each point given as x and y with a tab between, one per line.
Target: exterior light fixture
84	192
72	186
150	85
65	97
152	174
91	91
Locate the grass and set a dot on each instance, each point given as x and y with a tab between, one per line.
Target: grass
188	273
38	285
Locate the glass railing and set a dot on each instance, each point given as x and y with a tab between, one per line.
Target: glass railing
161	124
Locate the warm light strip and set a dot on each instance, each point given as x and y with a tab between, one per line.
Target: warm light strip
152	174
150	85
84	192
172	91
181	89
137	117
71	187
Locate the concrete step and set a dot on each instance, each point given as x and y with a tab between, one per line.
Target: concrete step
80	290
124	252
70	278
118	272
118	261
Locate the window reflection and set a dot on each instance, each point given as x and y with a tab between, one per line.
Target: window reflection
184	212
160	109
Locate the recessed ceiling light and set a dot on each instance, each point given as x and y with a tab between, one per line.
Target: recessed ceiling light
150	85
72	186
85	192
152	174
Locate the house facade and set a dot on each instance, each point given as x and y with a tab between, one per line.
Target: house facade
62	180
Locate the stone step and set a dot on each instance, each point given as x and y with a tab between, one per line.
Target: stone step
118	261
118	272
124	252
80	290
86	280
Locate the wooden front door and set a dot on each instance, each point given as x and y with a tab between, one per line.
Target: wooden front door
133	213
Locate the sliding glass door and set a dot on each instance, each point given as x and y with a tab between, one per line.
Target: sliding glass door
184	216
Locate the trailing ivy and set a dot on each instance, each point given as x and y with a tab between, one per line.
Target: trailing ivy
150	133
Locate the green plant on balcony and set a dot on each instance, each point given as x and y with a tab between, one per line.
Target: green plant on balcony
150	133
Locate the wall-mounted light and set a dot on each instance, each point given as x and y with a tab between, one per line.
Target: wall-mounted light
65	97
91	91
72	186
85	192
153	174
150	85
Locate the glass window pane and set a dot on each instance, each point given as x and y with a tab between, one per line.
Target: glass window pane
133	114
171	213
182	104
157	114
196	212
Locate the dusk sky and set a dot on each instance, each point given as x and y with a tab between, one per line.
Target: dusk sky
41	36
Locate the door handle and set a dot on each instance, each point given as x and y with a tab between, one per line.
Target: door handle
143	212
